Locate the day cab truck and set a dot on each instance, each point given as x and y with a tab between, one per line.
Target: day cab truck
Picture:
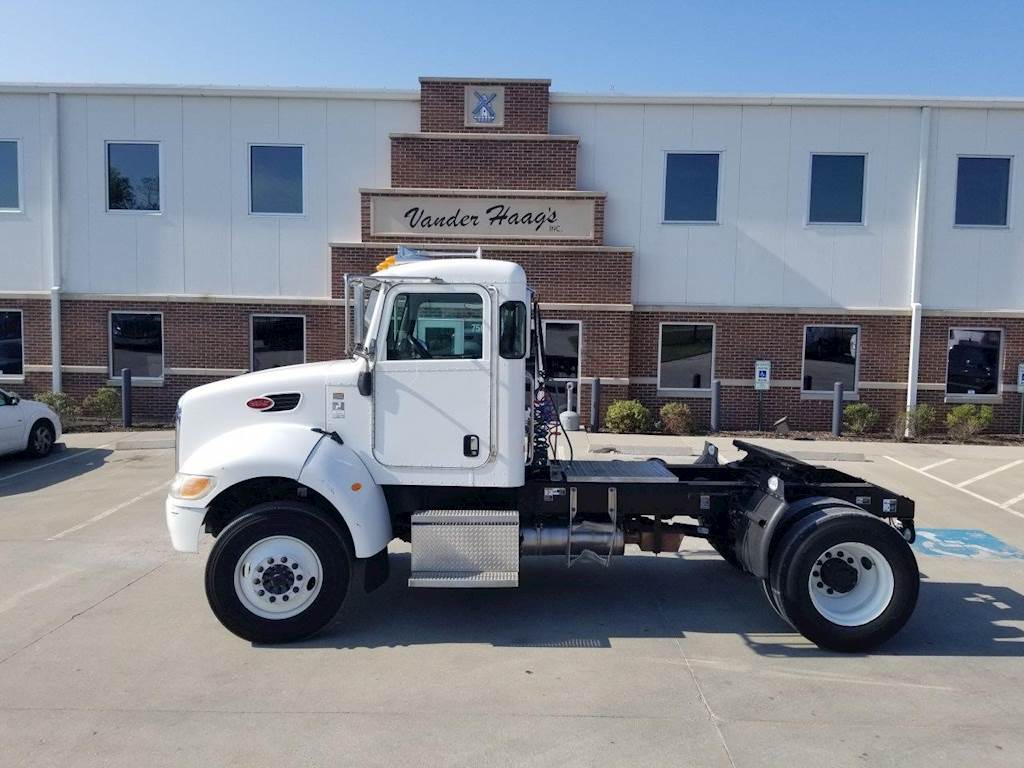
437	431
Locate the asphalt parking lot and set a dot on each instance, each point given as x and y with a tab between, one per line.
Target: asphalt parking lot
109	655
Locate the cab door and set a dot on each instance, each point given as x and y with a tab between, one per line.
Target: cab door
433	387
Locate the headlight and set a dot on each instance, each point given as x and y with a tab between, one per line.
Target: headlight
191	486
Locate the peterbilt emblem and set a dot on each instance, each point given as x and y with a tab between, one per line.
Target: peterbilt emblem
484	111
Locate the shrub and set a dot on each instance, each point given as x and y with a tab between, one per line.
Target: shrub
627	416
919	421
104	404
676	418
63	405
859	418
965	421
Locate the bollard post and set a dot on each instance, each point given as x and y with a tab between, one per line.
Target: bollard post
837	409
595	404
126	397
716	404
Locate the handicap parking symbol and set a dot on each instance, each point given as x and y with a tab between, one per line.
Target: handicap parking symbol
964	543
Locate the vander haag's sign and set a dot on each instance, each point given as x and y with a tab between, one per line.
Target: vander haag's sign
484	106
480	218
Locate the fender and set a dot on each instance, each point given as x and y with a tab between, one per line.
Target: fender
337	473
296	452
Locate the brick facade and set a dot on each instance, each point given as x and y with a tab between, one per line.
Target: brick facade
475	162
442	104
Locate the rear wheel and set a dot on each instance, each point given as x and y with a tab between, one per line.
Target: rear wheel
279	573
845	580
41	439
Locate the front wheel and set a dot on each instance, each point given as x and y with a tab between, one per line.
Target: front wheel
40	439
845	580
279	573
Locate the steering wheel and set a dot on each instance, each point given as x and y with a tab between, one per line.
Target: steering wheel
418	347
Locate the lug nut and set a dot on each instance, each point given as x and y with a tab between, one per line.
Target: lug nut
284	559
299	577
295	566
256	582
270	560
285	598
295	589
820	585
261	593
849	560
274	599
259	569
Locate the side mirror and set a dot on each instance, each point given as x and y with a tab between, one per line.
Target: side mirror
365	383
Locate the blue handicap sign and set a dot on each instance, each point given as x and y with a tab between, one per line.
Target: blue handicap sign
964	543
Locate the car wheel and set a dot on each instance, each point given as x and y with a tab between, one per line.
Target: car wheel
845	580
41	439
279	573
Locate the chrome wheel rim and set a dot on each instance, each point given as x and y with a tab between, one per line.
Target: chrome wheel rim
41	440
851	584
278	577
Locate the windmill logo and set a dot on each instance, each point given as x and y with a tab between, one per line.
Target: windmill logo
484	111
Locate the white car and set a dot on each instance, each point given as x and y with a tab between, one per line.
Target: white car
27	425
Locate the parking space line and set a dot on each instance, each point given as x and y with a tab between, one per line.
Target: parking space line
109	512
930	467
991	472
6	478
969	492
1014	500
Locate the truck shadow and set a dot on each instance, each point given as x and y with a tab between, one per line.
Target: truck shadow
668	596
22	475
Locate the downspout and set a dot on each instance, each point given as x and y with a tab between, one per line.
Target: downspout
53	234
920	206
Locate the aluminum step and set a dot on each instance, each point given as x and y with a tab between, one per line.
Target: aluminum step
465	548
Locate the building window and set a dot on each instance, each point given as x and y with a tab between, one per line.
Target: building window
436	326
563	344
10	192
133	176
972	362
686	356
278	340
12	343
691	187
830	357
982	191
275	179
837	189
137	342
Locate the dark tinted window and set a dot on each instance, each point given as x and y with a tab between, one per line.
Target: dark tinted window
277	341
136	342
691	187
512	330
9	175
685	360
133	177
275	180
982	189
837	189
426	326
830	356
11	344
973	362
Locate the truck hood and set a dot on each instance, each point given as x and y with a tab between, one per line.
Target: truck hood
298	391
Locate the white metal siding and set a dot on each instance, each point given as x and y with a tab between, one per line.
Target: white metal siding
23	261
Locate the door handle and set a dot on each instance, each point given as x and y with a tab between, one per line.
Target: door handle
471	445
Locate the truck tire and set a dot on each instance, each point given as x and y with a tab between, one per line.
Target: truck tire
278	573
844	579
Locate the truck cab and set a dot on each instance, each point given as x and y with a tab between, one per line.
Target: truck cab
438	429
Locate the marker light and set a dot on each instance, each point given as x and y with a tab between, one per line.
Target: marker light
191	486
260	403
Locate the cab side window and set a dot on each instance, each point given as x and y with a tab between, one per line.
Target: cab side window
436	326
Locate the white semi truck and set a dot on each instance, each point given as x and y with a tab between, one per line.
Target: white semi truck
436	431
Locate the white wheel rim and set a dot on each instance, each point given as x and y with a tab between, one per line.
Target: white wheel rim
278	577
832	594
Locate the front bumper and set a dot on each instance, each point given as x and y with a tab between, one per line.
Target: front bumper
184	524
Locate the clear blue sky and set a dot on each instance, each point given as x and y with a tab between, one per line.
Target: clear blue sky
919	47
